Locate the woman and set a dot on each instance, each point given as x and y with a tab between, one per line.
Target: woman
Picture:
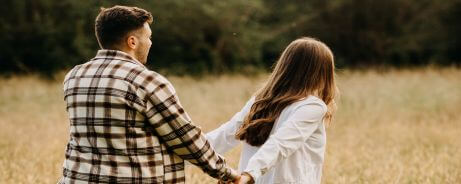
282	126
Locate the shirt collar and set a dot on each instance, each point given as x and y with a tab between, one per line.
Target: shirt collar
116	55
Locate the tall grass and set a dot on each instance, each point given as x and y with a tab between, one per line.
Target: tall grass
391	127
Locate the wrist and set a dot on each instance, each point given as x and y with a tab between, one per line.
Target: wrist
232	175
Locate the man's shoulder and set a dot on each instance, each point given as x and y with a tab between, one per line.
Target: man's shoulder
107	66
133	73
139	75
151	81
71	72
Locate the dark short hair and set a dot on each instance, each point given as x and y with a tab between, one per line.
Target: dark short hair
112	24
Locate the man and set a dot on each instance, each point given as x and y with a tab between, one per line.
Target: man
126	122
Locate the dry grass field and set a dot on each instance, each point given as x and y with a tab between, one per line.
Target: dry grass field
391	127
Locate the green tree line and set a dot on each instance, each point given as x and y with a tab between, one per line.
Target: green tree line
207	36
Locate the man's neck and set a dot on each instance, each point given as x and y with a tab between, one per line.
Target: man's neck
130	52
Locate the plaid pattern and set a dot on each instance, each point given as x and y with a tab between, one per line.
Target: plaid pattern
127	126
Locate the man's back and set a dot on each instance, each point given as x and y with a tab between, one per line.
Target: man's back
127	126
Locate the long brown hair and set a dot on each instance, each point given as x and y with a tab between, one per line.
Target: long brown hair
306	67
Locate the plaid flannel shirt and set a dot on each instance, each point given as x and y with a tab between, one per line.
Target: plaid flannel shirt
127	126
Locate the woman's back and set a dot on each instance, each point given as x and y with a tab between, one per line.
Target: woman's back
294	151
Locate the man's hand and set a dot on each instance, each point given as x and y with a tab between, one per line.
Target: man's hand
245	178
230	182
237	180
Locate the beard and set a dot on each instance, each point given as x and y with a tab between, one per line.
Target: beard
141	54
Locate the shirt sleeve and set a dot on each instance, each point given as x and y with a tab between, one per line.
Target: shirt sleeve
174	127
287	139
223	138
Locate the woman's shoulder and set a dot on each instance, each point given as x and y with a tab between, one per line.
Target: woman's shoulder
249	103
309	101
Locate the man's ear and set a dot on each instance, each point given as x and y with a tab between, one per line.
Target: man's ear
132	42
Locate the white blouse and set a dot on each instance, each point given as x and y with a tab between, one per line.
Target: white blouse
294	151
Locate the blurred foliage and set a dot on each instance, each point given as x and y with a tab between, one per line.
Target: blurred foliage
196	37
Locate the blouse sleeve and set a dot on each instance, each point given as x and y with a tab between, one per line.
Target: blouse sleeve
223	138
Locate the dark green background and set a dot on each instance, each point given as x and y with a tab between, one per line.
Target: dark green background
209	36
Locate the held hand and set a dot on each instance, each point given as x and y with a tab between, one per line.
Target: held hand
231	182
237	180
245	179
